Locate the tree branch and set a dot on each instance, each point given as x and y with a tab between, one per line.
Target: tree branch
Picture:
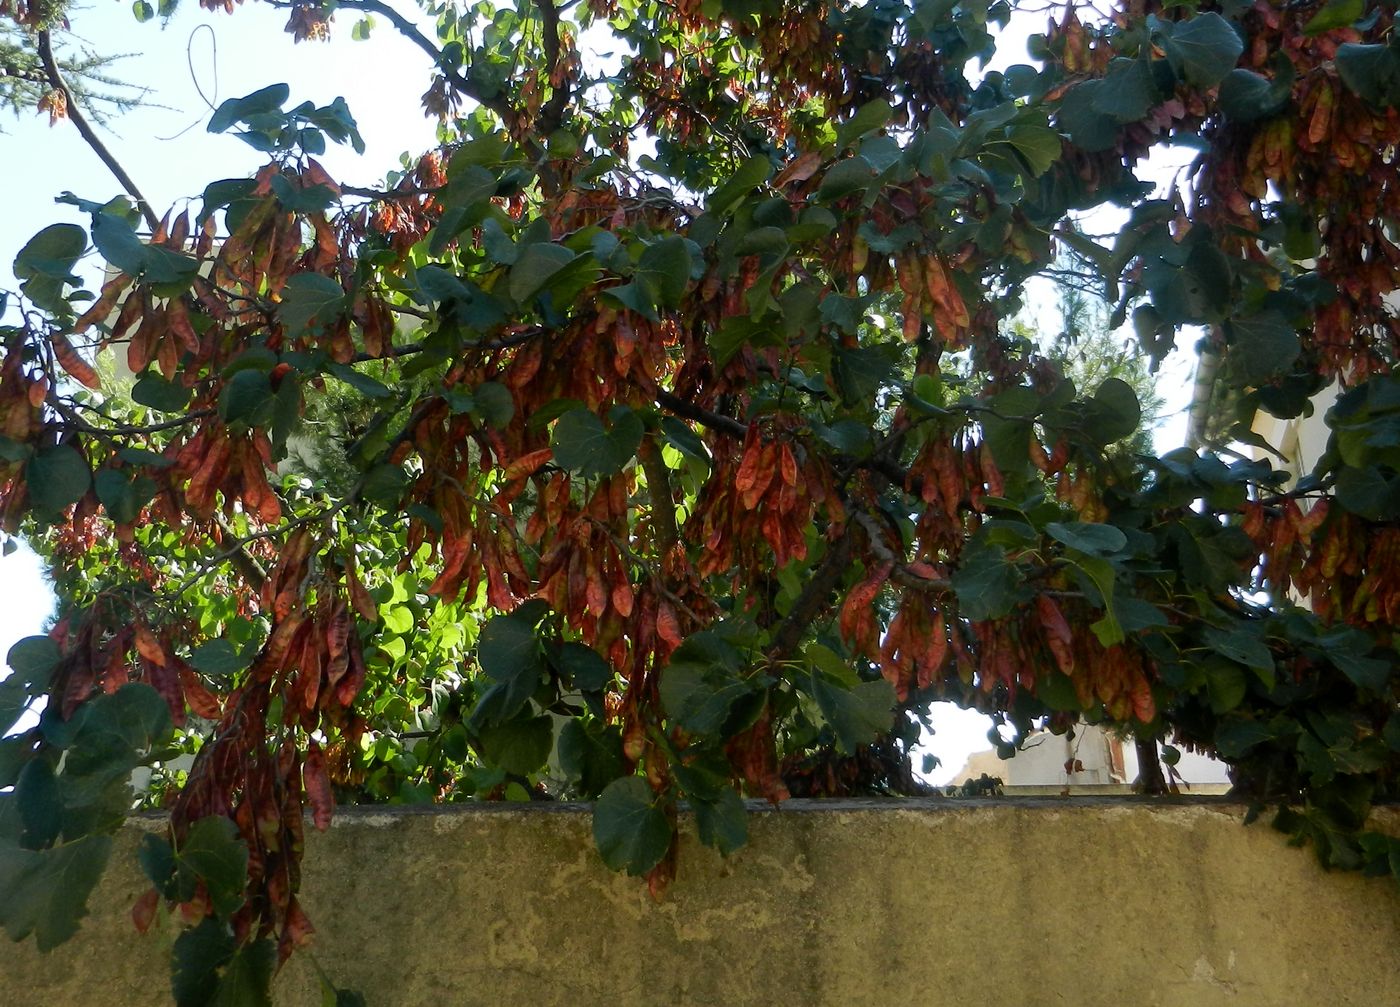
86	131
813	599
406	28
552	114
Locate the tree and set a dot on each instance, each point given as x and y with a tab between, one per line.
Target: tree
668	444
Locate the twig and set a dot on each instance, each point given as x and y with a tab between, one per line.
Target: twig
86	131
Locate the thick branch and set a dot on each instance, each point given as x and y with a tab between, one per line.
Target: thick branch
86	131
663	504
814	599
552	114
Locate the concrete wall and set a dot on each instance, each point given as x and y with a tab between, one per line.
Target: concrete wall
958	903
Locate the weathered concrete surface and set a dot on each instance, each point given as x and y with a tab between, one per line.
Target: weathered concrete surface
998	903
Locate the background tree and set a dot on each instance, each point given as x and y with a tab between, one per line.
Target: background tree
680	448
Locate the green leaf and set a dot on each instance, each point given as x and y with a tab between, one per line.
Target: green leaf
157	860
1262	346
247	979
135	717
868	118
264	101
310	298
1088	538
854	174
702	683
520	746
1204	49
1372	71
33	659
986	583
630	831
583	666
1233	738
215	851
1239	644
493	402
582	444
1337	14
663	271
196	958
509	653
1368	493
1225	684
46	891
217	659
1039	145
123	496
751	174
46	263
858	715
39	801
246	399
1115	413
57	478
590	754
722	823
537	264
1128	91
1246	96
164	396
142	11
53	253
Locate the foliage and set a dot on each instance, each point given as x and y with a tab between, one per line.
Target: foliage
671	447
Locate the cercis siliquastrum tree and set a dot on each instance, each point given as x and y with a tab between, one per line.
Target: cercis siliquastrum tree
660	438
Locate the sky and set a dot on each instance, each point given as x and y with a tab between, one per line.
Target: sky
170	156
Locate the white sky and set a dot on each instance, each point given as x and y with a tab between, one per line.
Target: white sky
381	80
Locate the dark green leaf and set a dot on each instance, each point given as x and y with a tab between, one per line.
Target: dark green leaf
1091	539
859	714
261	102
1372	71
986	583
1246	96
722	823
584	667
46	891
39	801
868	118
165	396
583	444
630	831
537	265
1204	49
1128	91
1242	645
664	271
308	298
518	746
196	958
1262	346
215	851
1039	145
247	979
493	402
246	399
57	478
854	174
